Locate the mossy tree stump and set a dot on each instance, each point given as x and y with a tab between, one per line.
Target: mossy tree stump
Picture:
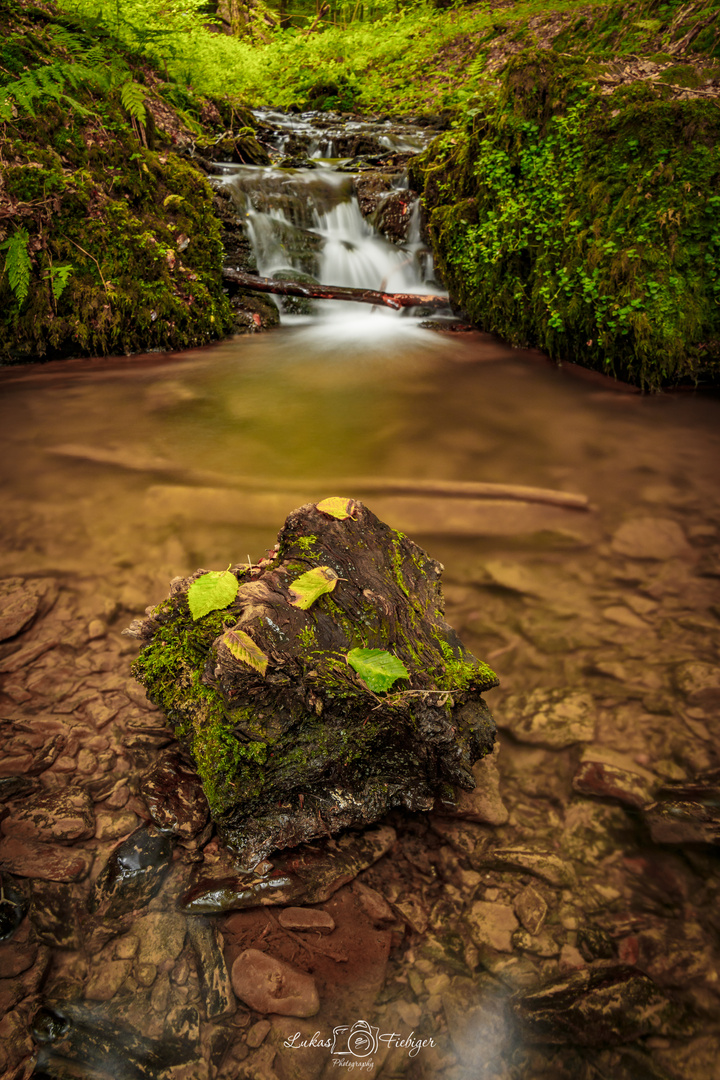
289	741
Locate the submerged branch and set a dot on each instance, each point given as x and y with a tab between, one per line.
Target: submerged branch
333	292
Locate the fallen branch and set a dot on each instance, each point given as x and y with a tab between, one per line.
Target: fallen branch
333	292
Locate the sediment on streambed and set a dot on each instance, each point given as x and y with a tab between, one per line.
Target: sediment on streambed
584	221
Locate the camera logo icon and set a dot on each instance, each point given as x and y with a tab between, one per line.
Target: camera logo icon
359	1041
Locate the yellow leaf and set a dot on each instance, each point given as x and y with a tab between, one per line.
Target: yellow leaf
243	648
337	508
305	590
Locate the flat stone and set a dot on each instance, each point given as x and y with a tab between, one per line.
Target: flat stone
272	986
606	781
491	924
299	918
374	905
553	718
19	604
133	873
48	862
606	1006
174	795
66	814
531	909
161	935
649	538
543	864
215	984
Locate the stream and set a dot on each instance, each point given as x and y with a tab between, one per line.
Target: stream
602	621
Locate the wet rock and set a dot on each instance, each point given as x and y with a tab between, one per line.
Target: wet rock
606	780
304	918
12	908
116	825
32	859
54	914
687	812
394	213
553	718
543	864
602	1007
307	874
257	1033
296	305
16	989
12	786
174	795
133	873
16	957
414	746
374	905
413	913
64	815
161	936
484	803
531	909
215	984
650	538
491	924
272	986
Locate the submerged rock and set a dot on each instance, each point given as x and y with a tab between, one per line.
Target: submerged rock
272	986
291	741
687	812
133	873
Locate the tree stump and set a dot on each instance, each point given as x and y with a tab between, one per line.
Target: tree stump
289	739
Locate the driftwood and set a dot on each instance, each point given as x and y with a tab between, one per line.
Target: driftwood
333	292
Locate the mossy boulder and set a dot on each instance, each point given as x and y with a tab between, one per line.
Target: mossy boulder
583	221
289	741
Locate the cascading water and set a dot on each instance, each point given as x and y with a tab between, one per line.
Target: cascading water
306	223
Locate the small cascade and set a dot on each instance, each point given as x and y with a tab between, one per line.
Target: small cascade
308	222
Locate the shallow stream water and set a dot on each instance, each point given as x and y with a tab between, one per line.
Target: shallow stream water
120	474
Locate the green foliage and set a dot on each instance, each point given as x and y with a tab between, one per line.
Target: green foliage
309	587
378	668
211	592
132	96
18	263
583	225
59	277
243	648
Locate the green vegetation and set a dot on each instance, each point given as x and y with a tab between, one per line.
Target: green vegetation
583	223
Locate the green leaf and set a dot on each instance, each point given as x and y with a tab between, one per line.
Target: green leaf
377	667
132	96
214	590
243	648
18	263
337	508
305	590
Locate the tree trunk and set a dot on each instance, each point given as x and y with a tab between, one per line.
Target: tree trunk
333	292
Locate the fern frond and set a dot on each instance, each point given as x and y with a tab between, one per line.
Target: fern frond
59	277
18	263
132	96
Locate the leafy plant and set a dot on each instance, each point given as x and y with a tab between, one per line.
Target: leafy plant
18	263
132	96
59	277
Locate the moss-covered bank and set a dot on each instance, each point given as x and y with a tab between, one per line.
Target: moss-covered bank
584	222
108	235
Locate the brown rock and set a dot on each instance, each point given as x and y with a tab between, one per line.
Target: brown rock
299	918
256	1034
215	985
531	909
554	718
543	864
115	826
66	814
19	604
161	935
375	906
607	781
16	957
484	804
272	986
106	980
649	538
45	861
174	796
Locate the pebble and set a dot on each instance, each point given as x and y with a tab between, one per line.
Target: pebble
106	980
374	905
256	1034
491	924
607	781
19	604
215	985
133	873
649	538
115	826
174	795
298	918
553	718
161	936
269	985
542	864
531	909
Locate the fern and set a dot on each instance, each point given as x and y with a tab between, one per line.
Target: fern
59	277
18	263
132	96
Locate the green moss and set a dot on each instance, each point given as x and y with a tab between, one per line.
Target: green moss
307	544
584	224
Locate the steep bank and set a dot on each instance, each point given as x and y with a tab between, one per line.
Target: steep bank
577	211
108	236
